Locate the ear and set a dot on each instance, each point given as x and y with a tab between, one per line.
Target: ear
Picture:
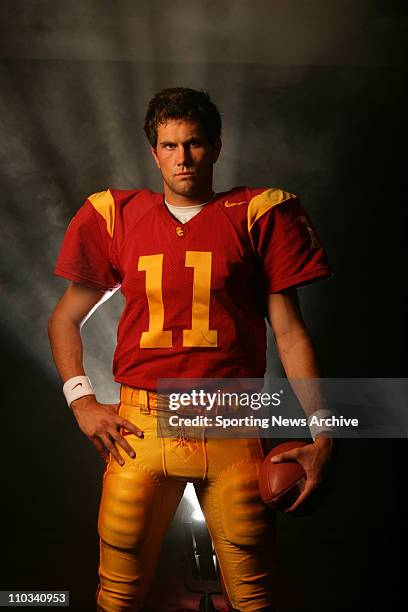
216	149
154	153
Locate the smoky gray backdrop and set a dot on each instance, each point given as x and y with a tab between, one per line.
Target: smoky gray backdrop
312	99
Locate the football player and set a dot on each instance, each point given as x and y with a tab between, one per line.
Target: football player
199	271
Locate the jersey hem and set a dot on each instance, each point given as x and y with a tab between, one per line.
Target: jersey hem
302	279
82	280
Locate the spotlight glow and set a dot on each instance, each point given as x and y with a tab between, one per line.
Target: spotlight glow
191	497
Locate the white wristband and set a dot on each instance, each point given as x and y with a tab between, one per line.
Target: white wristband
77	387
316	422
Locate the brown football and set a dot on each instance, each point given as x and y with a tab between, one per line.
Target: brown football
281	483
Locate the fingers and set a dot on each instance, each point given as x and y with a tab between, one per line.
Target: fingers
101	449
286	456
311	461
123	443
105	444
105	435
129	426
304	494
112	438
108	442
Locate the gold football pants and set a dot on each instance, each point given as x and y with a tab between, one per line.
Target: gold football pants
140	498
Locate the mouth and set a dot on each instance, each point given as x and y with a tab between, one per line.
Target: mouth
185	174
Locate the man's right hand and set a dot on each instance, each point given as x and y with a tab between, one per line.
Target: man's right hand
101	423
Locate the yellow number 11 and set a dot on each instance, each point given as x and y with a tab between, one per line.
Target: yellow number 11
199	334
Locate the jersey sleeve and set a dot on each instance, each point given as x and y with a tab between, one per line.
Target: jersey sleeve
287	245
85	255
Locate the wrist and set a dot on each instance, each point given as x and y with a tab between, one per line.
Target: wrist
324	440
319	423
83	401
77	387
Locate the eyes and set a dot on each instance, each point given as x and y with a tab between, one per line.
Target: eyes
191	144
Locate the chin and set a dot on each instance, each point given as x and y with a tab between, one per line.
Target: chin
184	190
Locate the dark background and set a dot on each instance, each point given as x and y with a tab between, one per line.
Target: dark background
312	96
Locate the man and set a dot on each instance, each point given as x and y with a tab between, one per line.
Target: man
199	271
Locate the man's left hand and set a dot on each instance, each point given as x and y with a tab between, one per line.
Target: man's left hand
314	458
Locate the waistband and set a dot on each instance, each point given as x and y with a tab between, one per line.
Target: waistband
146	401
150	402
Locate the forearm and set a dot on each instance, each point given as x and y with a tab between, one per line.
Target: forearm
66	346
299	360
74	308
99	422
298	355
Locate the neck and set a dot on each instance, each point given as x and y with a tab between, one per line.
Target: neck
179	200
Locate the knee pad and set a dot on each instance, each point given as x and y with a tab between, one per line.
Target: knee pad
245	518
126	507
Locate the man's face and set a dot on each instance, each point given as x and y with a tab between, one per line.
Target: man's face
185	159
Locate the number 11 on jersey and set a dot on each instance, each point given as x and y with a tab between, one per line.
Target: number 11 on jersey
199	335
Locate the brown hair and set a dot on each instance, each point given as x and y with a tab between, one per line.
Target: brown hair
182	103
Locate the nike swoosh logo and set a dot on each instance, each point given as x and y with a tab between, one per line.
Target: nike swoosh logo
228	204
77	385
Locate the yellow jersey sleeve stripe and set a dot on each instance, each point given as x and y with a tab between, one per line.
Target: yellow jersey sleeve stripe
104	204
261	203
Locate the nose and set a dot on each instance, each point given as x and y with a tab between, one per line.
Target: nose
183	158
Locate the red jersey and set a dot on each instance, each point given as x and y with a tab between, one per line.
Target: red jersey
195	293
